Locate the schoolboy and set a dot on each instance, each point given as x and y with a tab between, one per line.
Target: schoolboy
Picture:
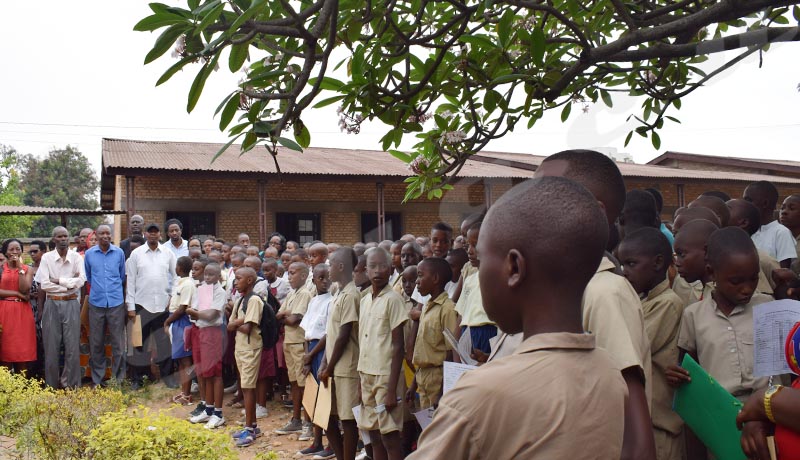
182	296
280	287
745	215
645	256
716	205
266	370
360	277
339	366
380	360
317	254
313	324
245	320
397	263
467	269
291	314
693	282
198	269
472	315
441	239
790	218
640	211
537	259
457	258
687	215
611	309
772	238
430	347
207	312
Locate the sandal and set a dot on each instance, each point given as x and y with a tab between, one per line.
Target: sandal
234	401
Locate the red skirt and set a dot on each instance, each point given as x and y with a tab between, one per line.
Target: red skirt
18	339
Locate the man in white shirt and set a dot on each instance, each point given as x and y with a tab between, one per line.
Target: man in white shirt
176	243
61	274
150	271
772	238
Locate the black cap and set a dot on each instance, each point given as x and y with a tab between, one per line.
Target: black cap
151	226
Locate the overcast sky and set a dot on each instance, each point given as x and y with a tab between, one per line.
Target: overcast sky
73	74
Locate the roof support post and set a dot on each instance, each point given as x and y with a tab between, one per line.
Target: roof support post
64	220
262	211
488	199
381	213
681	197
130	196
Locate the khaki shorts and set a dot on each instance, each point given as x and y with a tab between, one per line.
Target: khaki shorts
668	446
345	397
429	385
294	352
248	362
373	393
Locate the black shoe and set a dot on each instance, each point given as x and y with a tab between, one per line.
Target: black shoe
136	385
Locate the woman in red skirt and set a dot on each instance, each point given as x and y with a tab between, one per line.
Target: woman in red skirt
18	336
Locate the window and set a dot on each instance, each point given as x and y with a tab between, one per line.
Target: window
302	228
369	226
195	224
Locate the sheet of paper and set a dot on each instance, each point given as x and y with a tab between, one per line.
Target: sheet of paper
310	395
364	433
771	323
322	410
424	417
462	347
453	372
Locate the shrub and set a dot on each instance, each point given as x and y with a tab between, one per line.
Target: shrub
16	394
147	436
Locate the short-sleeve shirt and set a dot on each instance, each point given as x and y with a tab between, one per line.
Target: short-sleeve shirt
255	307
182	294
296	304
315	320
776	240
691	292
663	310
377	319
542	402
344	310
765	283
430	348
612	311
723	344
210	297
796	263
470	303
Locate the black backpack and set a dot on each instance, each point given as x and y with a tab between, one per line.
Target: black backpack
268	324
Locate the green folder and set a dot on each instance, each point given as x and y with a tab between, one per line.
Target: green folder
710	412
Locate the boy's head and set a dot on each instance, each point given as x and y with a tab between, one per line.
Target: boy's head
423	240
411	254
530	245
407	238
270	253
427	251
211	273
714	204
343	262
743	214
459	242
386	245
292	246
659	199
298	273
721	195
409	280
236	249
690	249
332	247
253	262
136	241
379	267
595	171
269	267
790	212
359	248
215	256
640	211
245	280
198	268
208	246
690	214
457	258
732	263
225	249
300	255
432	276
469	220
195	243
243	240
195	253
218	244
321	278
764	196
251	251
645	256
237	260
441	239
183	267
286	258
318	254
396	250
360	277
472	244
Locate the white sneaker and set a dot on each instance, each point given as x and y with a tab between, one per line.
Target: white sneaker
308	432
231	389
195	388
214	422
362	455
261	411
200	418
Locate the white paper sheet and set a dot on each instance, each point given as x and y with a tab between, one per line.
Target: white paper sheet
462	347
771	324
452	372
364	433
424	417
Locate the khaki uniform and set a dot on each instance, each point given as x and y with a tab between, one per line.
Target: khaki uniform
723	344
344	310
767	263
430	348
613	312
691	292
542	402
377	319
663	310
796	263
248	346
470	303
294	338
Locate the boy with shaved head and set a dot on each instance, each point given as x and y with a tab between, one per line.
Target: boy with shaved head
772	238
716	205
745	215
692	283
790	218
536	261
317	254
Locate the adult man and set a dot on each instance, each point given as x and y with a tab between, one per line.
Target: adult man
134	228
150	270
105	271
61	276
176	243
81	240
244	240
772	238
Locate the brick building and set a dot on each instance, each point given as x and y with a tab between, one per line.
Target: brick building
336	195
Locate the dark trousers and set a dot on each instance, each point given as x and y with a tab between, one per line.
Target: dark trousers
114	319
152	334
61	323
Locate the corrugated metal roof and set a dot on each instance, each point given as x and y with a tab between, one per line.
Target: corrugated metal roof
41	210
782	165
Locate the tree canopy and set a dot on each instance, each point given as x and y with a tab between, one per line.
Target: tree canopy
11	194
477	69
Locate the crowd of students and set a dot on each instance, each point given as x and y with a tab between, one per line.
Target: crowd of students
578	303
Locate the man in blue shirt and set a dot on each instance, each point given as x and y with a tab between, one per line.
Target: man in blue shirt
105	272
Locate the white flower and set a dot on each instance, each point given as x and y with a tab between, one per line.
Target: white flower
513	54
452	137
180	47
417	165
446	114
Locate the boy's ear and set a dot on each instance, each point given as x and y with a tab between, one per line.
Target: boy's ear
710	272
515	268
658	263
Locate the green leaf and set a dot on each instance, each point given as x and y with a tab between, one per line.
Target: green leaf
628	138
437	192
222	104
328	83
328	101
247	14
173	69
490	100
537	46
508	78
289	144
229	111
225	147
158	20
565	111
796	13
165	41
357	63
302	136
656	140
238	56
504	29
677	104
477	41
199	82
606	98
250	140
210	18
405	158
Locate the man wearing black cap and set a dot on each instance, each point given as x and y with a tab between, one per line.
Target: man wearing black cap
150	270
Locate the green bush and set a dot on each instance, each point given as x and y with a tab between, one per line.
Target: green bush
146	436
16	393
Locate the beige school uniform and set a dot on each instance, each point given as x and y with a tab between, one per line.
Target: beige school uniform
470	303
556	397
296	303
378	317
691	292
344	310
248	346
613	312
397	285
309	286
663	310
723	344
796	263
430	348
767	263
